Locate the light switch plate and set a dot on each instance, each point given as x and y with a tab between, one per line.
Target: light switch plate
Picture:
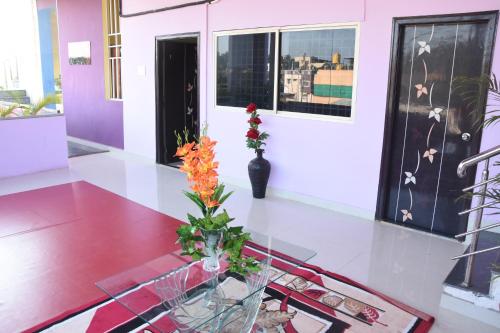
141	70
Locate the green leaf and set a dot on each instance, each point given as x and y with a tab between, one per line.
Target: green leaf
224	197
218	192
263	136
34	109
193	220
221	220
184	230
198	238
197	256
235	230
4	112
193	197
243	266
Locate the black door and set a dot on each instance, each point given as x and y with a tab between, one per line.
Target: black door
432	124
176	94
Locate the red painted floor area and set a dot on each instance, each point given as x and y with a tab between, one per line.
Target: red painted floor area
56	242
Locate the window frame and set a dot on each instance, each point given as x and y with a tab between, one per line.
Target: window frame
106	26
277	30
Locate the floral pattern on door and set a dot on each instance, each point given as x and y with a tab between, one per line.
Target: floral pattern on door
426	145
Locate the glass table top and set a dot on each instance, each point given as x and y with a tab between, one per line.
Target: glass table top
148	290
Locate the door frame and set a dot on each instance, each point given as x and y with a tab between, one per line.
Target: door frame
158	113
398	24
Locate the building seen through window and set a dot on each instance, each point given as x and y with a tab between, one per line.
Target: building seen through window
317	71
315	76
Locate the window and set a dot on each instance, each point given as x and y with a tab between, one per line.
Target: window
112	49
316	76
322	63
245	70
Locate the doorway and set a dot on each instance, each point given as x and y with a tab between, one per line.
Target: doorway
431	124
177	93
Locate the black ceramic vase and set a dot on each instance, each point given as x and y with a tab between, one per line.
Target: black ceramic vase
259	169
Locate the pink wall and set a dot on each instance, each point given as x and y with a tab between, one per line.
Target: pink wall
89	115
138	34
330	161
140	6
32	145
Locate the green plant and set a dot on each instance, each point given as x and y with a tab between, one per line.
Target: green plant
493	114
492	118
34	109
7	111
208	195
474	91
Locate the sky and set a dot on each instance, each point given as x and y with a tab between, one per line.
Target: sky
16	27
318	43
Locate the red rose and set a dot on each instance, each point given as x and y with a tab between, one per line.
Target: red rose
253	134
256	121
251	107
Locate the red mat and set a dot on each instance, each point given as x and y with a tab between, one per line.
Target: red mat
56	242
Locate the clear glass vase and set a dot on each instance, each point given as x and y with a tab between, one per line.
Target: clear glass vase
212	250
495	284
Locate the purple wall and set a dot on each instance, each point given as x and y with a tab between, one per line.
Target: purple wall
89	115
32	145
329	161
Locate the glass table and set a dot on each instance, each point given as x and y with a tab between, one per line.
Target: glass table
172	293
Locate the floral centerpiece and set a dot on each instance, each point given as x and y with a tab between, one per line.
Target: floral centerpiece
255	138
209	236
259	168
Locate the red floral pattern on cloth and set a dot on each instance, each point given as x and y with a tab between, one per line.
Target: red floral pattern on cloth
316	303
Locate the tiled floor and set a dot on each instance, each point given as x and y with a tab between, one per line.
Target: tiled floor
405	264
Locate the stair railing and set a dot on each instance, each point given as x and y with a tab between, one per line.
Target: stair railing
480	189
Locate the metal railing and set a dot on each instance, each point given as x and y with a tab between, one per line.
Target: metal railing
480	190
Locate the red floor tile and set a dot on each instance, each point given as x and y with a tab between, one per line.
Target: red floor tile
56	242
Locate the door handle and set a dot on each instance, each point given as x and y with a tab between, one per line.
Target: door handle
466	137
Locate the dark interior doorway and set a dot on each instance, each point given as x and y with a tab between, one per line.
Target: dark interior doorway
177	99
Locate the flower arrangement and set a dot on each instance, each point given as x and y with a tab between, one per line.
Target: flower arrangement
208	194
255	139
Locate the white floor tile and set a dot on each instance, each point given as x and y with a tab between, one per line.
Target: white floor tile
405	264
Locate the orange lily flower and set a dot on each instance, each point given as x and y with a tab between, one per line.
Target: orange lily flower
200	168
